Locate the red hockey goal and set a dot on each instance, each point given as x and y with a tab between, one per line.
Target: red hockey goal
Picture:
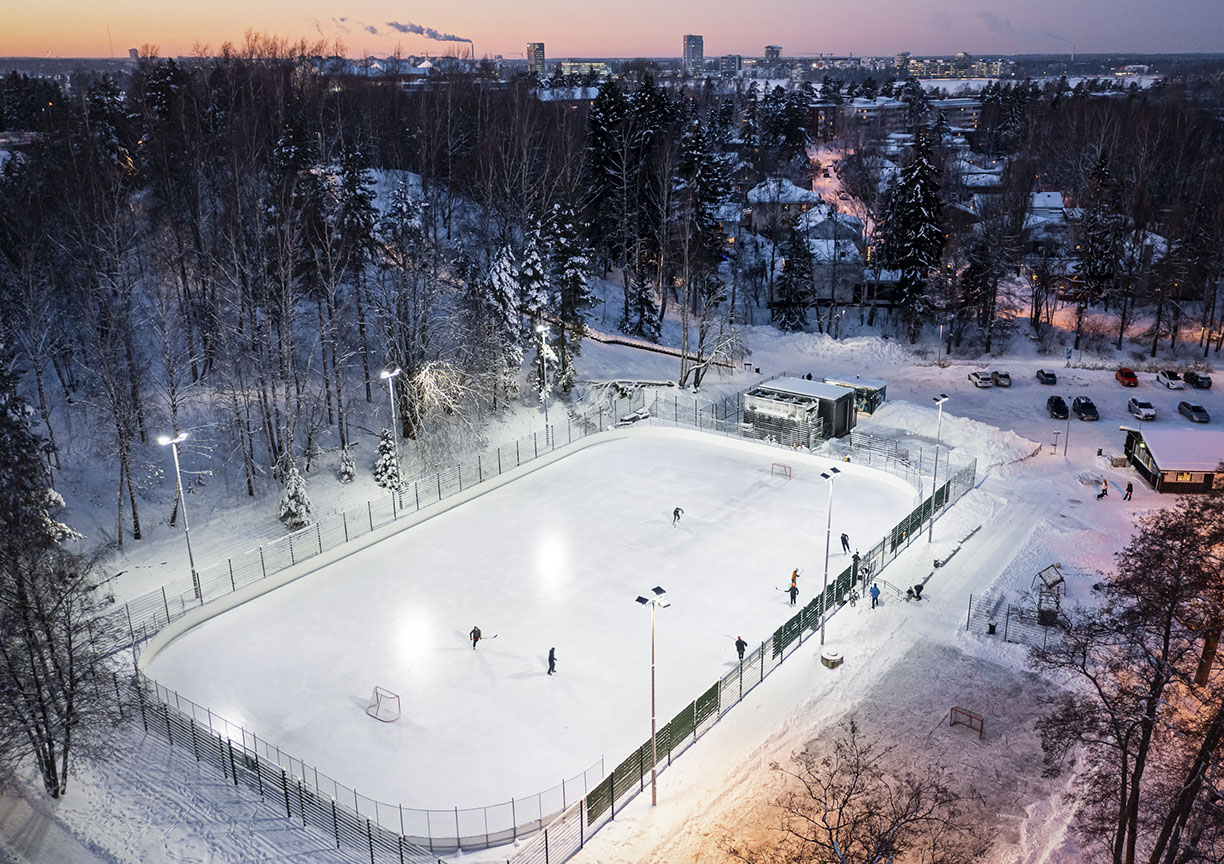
967	718
780	470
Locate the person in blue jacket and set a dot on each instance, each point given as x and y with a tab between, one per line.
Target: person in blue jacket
875	594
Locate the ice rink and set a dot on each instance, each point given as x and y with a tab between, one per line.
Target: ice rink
554	558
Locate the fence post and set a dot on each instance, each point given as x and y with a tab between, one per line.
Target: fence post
263	568
165	604
499	468
144	721
458	844
394	511
545	846
1006	622
460	467
370	514
479	469
132	630
285	787
292	557
581	823
969	614
513	820
612	792
369	839
535	441
319	536
416	493
344	519
335	824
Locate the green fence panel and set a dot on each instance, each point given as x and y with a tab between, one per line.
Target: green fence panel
599	799
628	774
941	495
843	585
785	635
663	741
681	725
707	703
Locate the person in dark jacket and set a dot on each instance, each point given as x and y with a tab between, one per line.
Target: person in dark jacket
1130	488
552	660
794	593
676	515
474	636
740	645
845	538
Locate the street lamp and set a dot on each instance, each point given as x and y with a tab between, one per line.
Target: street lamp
829	476
389	377
178	486
659	600
939	400
542	331
1067	437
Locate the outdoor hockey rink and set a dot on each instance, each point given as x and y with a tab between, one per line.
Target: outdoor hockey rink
553	558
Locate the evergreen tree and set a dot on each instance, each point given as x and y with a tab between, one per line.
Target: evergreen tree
294	504
386	464
794	287
571	264
606	168
1098	244
913	239
348	468
532	277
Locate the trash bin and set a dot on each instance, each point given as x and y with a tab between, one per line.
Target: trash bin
991	629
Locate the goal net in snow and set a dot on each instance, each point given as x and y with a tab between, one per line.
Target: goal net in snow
384	705
780	470
964	717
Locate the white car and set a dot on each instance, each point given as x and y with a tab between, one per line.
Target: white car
1141	408
980	379
1170	379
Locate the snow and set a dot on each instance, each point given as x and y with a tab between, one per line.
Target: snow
803	387
522	563
777	190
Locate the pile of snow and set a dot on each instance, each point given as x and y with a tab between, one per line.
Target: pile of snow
776	351
966	438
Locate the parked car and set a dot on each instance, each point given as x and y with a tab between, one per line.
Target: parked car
1197	380
1127	377
980	379
1141	408
1057	407
1084	409
1045	376
1170	379
1000	379
1194	411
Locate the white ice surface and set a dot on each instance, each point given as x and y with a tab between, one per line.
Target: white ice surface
554	558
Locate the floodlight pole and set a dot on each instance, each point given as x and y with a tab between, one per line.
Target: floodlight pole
178	487
542	331
829	476
939	400
389	377
659	599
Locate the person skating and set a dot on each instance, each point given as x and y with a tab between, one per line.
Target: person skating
1130	487
795	578
845	538
794	593
474	636
676	516
740	645
552	660
875	594
1104	490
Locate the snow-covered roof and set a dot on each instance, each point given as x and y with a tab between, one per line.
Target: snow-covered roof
803	387
826	251
778	190
1046	201
856	381
1185	449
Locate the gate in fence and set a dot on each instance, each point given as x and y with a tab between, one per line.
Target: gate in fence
1026	625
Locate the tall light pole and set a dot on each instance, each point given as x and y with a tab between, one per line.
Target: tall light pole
178	487
658	600
389	377
541	332
1067	437
828	476
939	400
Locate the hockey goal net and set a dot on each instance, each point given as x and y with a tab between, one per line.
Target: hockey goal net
780	470
384	705
965	717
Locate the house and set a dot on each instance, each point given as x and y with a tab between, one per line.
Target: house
869	394
879	115
777	201
1177	461
837	267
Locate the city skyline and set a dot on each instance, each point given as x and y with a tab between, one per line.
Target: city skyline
76	28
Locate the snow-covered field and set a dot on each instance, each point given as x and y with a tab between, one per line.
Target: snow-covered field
554	558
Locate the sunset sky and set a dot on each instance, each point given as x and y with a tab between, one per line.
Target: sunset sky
624	28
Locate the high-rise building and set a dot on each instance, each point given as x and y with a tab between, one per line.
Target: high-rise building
773	52
694	54
730	64
535	59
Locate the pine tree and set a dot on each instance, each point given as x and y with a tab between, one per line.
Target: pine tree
532	277
386	465
348	468
571	264
795	284
913	239
294	504
1098	243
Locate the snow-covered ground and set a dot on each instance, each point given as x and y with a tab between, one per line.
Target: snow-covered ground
906	665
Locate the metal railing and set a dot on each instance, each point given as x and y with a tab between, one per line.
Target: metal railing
994	617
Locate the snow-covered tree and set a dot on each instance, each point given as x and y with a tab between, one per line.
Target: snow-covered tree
571	263
913	239
294	504
348	468
794	287
386	464
532	276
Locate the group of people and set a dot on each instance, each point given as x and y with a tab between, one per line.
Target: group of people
475	636
1104	493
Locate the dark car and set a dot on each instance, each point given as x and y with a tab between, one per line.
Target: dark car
1127	377
1084	409
1057	407
1045	376
1197	380
1194	411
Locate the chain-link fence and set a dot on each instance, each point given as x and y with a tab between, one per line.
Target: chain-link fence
382	829
566	835
1027	625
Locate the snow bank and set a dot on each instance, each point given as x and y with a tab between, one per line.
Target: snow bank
968	439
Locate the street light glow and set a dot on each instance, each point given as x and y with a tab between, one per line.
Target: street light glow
385	374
